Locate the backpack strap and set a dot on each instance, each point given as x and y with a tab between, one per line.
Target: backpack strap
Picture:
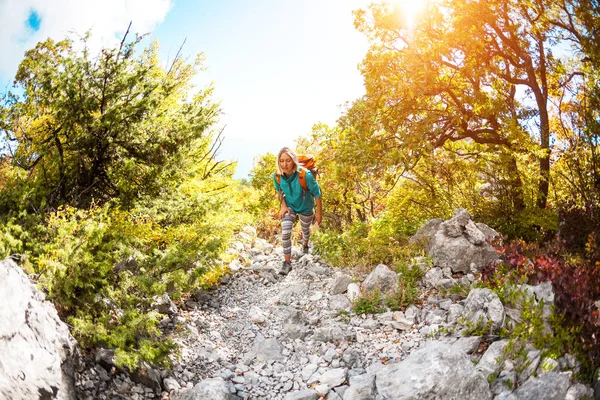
301	178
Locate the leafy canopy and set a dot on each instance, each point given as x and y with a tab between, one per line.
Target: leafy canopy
118	125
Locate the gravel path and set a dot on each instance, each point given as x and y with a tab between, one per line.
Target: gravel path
268	336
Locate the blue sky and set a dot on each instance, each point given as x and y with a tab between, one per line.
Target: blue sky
278	66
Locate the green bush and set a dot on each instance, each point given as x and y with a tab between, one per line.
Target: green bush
407	291
20	238
369	303
103	267
383	240
112	194
533	225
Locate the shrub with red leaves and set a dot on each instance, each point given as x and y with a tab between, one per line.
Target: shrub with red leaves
575	281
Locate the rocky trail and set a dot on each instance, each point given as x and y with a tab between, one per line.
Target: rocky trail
263	335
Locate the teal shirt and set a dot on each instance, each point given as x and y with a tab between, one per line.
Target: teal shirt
296	197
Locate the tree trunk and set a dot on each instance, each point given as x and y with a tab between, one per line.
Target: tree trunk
541	98
516	185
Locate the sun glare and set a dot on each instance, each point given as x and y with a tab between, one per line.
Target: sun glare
411	11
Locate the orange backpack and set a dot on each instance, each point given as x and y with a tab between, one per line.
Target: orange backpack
307	163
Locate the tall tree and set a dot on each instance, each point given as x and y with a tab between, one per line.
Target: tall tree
578	122
353	186
460	75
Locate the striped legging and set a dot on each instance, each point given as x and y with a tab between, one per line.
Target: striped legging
286	229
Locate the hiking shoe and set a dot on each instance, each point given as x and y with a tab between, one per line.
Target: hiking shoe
305	249
285	268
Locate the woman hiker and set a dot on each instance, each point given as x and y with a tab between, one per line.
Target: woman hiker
295	201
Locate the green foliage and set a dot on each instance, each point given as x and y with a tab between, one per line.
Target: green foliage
15	189
477	328
118	125
458	289
19	237
369	303
266	207
531	224
550	333
134	336
409	272
383	241
103	267
12	239
261	176
531	329
113	194
349	248
407	291
406	294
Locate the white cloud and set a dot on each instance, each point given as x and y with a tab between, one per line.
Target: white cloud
107	20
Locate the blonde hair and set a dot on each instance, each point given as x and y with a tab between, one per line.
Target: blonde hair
292	155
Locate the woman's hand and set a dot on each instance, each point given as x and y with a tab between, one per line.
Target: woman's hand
318	218
284	210
319	213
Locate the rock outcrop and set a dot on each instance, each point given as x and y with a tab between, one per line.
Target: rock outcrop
433	372
37	352
458	244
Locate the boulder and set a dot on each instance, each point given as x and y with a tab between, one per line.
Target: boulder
333	333
353	292
362	387
473	234
164	305
467	344
294	326
333	377
291	293
213	388
432	372
339	302
493	358
551	386
307	394
579	391
487	303
340	285
424	235
539	293
37	352
266	350
458	244
459	254
381	278
490	234
147	376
